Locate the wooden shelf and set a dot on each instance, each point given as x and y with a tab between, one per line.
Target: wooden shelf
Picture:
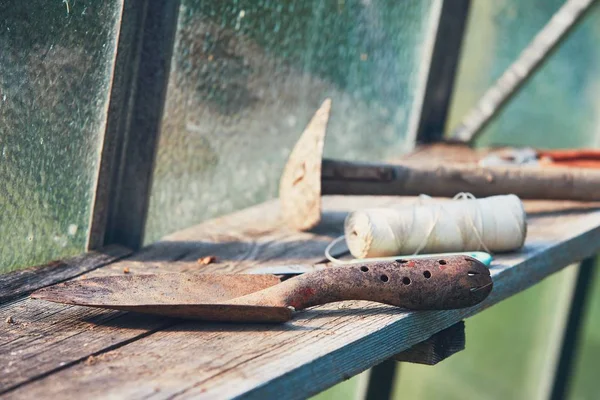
52	350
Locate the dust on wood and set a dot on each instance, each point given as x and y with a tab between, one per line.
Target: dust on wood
23	282
94	359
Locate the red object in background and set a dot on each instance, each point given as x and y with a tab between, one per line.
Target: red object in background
575	158
581	158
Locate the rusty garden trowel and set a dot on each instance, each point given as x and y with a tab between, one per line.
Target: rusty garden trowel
415	284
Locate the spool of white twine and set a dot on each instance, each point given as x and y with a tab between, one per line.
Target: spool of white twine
492	224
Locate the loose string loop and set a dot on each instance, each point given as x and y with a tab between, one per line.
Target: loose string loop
330	246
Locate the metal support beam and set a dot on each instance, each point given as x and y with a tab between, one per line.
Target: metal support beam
442	70
381	380
136	104
574	326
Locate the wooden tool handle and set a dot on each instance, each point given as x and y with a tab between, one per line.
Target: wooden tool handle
419	284
446	180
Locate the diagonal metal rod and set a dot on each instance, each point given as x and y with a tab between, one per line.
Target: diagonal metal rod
524	67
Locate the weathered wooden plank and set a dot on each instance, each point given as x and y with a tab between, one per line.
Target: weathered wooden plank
236	239
45	337
25	281
322	346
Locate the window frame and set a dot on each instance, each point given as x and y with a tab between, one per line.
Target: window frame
136	103
144	51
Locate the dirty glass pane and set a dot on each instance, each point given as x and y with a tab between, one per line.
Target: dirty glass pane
55	65
247	75
511	348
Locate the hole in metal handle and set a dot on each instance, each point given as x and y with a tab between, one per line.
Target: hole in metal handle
364	268
384	278
406	280
427	274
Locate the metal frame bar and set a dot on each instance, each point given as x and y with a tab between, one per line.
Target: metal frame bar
137	100
119	110
381	379
573	329
442	70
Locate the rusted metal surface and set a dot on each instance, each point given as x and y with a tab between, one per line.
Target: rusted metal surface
176	295
419	284
300	183
168	289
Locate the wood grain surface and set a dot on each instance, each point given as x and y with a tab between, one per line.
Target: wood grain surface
52	350
25	281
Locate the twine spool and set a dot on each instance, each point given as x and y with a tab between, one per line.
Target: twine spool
492	224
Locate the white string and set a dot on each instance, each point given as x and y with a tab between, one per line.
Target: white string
328	250
469	196
492	224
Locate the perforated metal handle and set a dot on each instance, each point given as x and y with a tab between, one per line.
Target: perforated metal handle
417	284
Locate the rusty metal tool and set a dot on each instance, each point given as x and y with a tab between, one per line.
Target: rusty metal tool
419	284
297	269
307	176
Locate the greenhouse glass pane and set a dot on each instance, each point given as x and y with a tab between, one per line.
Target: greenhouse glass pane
56	61
247	75
559	106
